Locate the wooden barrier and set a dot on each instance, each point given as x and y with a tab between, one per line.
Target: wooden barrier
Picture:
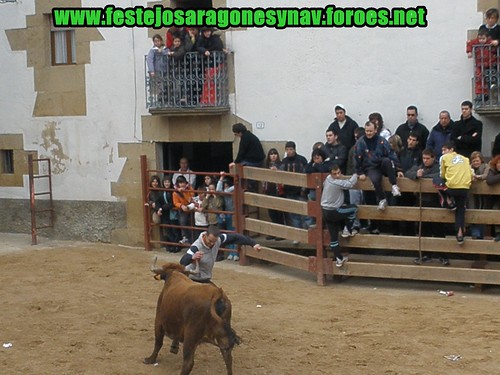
369	258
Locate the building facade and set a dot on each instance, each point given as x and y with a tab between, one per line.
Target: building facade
84	106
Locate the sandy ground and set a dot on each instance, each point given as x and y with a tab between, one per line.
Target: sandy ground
79	308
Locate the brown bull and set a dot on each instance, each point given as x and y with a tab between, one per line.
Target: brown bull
192	313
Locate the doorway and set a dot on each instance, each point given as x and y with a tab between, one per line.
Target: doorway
203	156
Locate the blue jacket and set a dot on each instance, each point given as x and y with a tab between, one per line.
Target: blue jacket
367	158
438	137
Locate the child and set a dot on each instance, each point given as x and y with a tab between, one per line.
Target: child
481	170
169	216
157	67
183	202
200	217
491	26
484	58
176	64
226	219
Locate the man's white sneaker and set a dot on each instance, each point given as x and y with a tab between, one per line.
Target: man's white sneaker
345	233
230	257
236	258
395	191
382	205
340	262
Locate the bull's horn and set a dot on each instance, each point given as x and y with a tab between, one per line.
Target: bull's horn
197	268
153	268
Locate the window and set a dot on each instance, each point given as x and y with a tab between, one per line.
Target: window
62	44
7	159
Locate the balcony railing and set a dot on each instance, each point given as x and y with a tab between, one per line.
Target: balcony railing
485	83
192	82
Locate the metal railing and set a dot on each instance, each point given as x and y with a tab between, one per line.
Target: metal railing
485	88
194	81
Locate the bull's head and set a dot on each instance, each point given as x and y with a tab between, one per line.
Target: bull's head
161	272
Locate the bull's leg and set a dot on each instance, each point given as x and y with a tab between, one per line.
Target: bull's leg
228	360
174	347
188	350
159	334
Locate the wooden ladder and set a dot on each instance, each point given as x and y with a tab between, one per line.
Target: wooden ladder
34	194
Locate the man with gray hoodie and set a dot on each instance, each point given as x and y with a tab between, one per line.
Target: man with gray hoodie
335	212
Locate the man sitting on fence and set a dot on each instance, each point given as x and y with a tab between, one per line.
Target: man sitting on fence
375	158
335	212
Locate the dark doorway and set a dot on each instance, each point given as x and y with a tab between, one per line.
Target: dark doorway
203	156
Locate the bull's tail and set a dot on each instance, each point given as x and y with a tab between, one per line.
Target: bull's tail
220	309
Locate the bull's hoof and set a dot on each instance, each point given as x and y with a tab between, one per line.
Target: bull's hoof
149	360
174	349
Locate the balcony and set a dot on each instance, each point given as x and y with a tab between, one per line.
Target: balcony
485	83
194	84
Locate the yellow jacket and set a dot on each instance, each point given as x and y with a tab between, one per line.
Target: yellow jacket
455	169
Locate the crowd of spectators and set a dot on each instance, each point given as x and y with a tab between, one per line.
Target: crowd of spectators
184	69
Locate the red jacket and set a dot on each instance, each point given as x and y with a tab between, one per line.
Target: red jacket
484	55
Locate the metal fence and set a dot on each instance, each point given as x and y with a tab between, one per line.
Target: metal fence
193	81
486	76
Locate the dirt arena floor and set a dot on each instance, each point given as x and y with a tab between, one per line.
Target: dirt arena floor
80	308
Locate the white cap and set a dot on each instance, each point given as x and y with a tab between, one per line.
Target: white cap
339	105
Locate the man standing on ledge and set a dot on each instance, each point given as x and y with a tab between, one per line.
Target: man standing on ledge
250	152
344	126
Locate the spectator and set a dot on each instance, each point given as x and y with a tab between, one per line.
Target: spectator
467	132
207	181
428	169
226	219
477	201
491	25
344	125
169	216
173	32
296	163
408	157
154	197
454	184
318	164
375	158
186	172
411	154
276	190
250	151
183	202
334	151
210	46
496	146
412	125
200	216
335	212
493	178
378	120
212	204
205	249
191	39
356	196
440	133
156	62
396	143
484	58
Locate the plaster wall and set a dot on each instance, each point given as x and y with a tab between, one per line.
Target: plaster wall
290	80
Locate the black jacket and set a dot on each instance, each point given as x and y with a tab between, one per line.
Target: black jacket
250	149
419	129
346	134
467	136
